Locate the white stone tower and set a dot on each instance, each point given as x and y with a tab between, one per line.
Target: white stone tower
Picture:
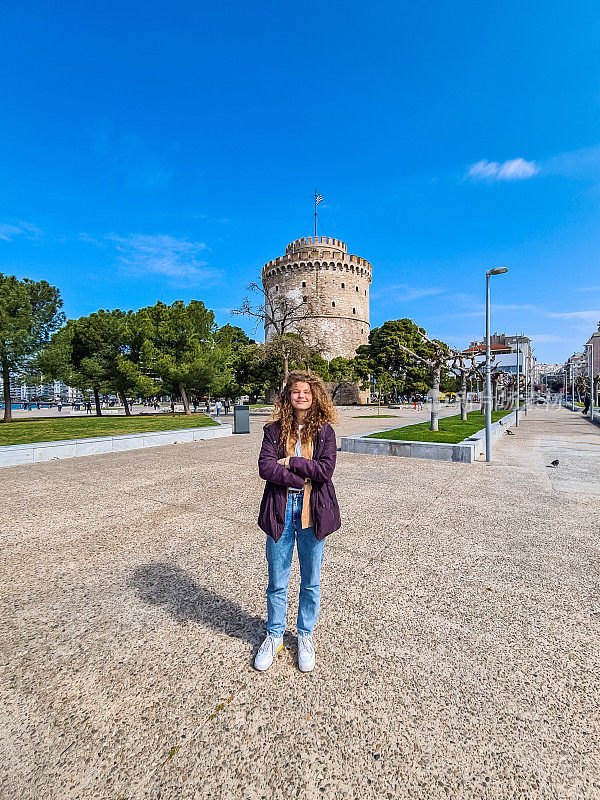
336	288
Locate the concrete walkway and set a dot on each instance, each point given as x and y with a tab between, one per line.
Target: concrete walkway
457	646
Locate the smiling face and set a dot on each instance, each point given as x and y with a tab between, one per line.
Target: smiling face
301	396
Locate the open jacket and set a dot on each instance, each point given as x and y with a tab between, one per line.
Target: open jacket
324	507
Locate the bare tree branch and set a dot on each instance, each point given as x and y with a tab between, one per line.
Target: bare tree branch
280	315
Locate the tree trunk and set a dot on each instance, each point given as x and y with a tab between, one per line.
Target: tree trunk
126	404
286	369
184	397
463	395
435	397
6	380
97	402
495	396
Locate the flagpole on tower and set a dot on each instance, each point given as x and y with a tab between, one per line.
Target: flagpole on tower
318	199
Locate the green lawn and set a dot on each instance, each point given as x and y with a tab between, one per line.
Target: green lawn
452	429
260	405
46	429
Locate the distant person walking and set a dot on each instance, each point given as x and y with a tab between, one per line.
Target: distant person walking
586	403
226	406
88	407
297	460
218	407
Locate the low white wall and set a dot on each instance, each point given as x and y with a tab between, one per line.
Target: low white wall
465	451
33	453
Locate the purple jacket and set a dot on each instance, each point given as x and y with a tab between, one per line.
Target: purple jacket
323	502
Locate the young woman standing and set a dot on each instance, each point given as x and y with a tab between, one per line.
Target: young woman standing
297	460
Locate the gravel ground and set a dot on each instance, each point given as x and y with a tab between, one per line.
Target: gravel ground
457	646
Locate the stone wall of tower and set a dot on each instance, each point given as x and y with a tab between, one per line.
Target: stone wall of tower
336	286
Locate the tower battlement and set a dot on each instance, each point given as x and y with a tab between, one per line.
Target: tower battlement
305	255
335	286
314	241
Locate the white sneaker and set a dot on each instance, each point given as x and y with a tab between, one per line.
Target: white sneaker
306	653
266	654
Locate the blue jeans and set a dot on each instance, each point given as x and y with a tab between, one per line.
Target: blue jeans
279	559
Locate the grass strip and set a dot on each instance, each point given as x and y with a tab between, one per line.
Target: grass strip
50	429
451	429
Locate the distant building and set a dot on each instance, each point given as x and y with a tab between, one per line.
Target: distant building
547	375
576	366
543	370
504	350
593	352
23	391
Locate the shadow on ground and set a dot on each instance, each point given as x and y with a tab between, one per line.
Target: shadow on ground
176	592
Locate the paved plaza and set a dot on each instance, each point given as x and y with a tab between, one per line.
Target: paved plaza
457	645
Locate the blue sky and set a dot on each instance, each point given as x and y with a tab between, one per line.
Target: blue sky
167	151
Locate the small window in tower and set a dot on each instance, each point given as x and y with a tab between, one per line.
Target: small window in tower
365	292
343	285
304	284
362	330
354	311
357	288
333	303
277	288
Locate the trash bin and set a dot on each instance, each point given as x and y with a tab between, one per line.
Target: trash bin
241	419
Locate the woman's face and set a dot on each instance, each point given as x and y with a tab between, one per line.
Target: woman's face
301	396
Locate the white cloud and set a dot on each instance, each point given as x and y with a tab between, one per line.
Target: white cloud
162	255
402	292
9	231
546	338
85	237
584	163
593	314
515	307
515	169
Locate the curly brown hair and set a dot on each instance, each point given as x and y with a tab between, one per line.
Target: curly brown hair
320	412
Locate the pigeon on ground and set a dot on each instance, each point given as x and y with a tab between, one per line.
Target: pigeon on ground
510	433
554	463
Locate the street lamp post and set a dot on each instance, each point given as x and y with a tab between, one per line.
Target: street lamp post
591	351
518	384
526	372
488	363
592	387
